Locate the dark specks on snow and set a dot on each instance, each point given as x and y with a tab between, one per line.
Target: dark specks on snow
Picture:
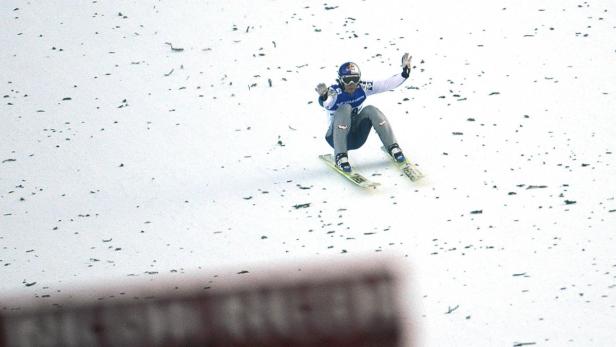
536	187
450	309
279	142
452	74
523	344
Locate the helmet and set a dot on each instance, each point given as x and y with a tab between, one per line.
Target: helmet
349	73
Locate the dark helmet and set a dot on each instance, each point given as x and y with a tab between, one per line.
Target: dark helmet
349	73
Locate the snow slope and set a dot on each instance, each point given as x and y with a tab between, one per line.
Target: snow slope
143	140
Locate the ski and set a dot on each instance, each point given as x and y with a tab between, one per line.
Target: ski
408	169
352	176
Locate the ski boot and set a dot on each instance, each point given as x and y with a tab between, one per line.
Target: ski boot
342	162
395	151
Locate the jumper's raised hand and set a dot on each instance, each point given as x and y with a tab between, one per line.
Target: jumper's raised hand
406	65
321	89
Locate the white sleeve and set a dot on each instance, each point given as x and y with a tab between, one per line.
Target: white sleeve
374	87
332	96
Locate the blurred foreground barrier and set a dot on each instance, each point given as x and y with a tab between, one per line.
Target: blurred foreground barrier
351	308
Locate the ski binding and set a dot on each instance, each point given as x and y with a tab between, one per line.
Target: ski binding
352	176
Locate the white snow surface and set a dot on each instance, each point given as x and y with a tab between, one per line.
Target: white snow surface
143	140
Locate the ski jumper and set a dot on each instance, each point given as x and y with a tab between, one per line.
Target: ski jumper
350	122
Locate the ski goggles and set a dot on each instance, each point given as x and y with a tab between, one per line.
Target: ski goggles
351	79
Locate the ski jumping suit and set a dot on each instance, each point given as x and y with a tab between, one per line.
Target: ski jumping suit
350	123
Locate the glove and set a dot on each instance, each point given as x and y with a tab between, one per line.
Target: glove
406	65
325	92
322	89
